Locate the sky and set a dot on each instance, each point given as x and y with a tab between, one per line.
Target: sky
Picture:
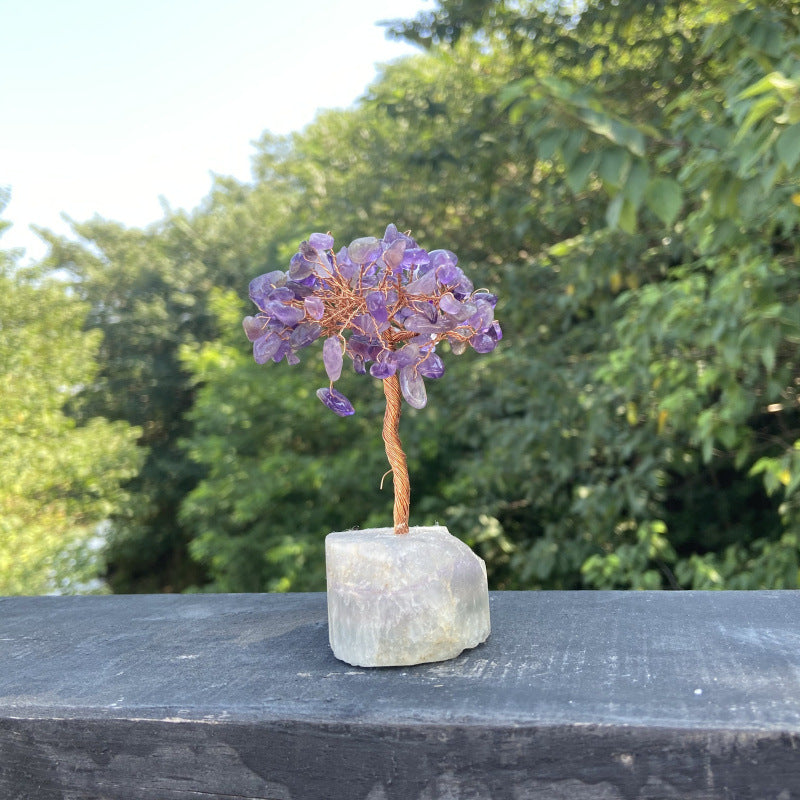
108	107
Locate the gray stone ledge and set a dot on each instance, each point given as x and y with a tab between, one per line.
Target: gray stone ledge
575	696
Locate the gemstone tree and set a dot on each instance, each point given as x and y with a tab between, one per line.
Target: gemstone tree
386	304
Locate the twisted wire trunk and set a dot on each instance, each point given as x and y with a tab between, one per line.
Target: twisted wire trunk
395	454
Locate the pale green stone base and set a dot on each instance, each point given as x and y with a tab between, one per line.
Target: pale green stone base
396	600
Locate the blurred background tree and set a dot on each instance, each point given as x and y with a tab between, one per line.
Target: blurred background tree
627	179
58	480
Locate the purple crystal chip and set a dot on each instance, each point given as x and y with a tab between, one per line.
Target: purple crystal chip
336	402
321	241
266	346
413	387
332	357
431	366
364	250
314	307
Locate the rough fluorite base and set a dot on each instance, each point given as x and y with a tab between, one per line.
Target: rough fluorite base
395	600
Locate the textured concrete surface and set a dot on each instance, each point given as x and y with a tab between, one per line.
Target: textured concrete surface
575	695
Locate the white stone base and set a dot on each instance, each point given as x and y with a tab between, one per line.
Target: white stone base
400	599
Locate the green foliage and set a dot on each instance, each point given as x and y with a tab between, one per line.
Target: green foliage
148	293
694	380
626	177
58	480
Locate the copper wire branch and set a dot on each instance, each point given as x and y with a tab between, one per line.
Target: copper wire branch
395	454
345	299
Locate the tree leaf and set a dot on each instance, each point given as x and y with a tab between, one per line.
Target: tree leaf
549	142
664	198
757	112
787	146
627	216
614	211
614	166
768	357
615	130
579	171
774	81
571	146
636	183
